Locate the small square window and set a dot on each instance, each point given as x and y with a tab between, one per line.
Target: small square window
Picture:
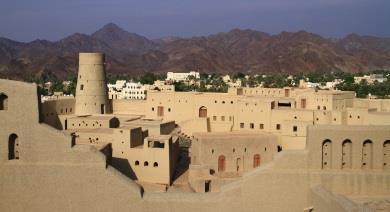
242	125
278	126
222	118
261	126
252	126
295	128
214	118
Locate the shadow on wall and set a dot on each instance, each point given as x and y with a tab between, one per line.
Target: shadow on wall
182	165
124	167
53	120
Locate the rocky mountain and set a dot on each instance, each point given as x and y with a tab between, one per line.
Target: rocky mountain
122	42
238	50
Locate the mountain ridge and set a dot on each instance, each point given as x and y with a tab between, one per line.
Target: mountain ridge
238	50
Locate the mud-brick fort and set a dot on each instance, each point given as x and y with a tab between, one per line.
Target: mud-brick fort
250	149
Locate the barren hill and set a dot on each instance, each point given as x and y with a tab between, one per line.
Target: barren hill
238	50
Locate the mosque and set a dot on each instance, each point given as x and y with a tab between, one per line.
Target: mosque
250	149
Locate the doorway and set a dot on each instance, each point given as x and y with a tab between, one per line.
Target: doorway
221	163
207	186
202	112
238	164
256	161
160	111
102	109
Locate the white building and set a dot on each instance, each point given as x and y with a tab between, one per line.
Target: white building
182	76
235	84
370	79
113	93
133	90
126	90
226	78
312	84
56	95
333	83
161	86
119	84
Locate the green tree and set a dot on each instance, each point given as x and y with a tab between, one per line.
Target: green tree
57	86
238	75
148	78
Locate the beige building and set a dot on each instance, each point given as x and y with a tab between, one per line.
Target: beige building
61	155
219	158
89	120
284	112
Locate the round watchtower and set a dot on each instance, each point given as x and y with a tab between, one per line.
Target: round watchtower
91	91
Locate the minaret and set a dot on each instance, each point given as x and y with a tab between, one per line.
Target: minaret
91	91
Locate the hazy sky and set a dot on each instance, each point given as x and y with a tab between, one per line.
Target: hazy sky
26	20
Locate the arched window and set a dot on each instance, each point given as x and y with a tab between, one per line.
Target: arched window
155	164
202	112
136	163
13	147
256	160
386	154
146	163
367	154
346	154
221	163
327	154
3	101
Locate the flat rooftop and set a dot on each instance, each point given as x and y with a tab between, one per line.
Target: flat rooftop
333	92
96	130
93	117
145	122
125	117
228	135
101	130
159	137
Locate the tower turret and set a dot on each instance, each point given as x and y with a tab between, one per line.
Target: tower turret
91	91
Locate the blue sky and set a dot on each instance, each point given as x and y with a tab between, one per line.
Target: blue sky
26	20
